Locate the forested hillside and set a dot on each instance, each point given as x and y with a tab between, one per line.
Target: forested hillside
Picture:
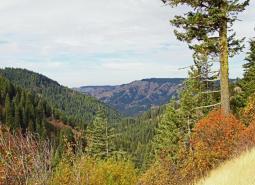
134	136
24	112
74	107
138	96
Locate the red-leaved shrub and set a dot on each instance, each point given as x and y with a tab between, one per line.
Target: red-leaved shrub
214	139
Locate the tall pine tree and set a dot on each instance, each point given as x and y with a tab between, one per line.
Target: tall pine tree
168	133
100	137
180	116
206	29
8	112
247	83
245	87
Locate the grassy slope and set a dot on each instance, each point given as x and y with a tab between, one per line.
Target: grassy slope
240	171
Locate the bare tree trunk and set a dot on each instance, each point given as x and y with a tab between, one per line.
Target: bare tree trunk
224	68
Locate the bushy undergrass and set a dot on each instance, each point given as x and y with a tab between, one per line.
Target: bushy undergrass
239	171
91	171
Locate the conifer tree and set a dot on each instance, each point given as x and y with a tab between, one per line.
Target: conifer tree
8	112
100	137
180	116
166	140
247	83
17	112
206	29
245	87
17	117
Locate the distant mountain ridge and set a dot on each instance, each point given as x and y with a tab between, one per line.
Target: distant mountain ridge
138	96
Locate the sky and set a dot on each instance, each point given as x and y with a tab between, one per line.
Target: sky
99	42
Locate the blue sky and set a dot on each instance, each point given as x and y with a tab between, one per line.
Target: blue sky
85	42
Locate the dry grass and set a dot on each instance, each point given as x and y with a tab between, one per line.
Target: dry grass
240	171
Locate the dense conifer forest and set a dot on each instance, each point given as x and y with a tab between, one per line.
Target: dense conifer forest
75	108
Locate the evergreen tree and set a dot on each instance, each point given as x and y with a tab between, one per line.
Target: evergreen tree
206	29
179	119
8	112
168	135
247	83
17	112
245	87
100	137
17	117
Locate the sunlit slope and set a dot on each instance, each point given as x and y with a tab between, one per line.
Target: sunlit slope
240	171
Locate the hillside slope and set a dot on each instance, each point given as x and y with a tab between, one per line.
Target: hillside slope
239	171
23	111
138	96
74	106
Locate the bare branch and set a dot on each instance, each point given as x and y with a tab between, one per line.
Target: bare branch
208	106
213	80
209	92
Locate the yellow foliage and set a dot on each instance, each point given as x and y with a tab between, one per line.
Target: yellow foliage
89	171
63	174
162	172
239	171
156	175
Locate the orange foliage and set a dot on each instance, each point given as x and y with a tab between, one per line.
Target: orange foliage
217	133
214	140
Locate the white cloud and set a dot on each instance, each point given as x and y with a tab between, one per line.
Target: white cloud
93	26
42	34
123	66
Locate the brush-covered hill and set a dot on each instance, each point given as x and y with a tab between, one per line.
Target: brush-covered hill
138	96
74	107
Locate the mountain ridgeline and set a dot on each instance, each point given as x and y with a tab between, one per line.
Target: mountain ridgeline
138	96
74	107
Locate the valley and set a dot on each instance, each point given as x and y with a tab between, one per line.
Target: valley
181	110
